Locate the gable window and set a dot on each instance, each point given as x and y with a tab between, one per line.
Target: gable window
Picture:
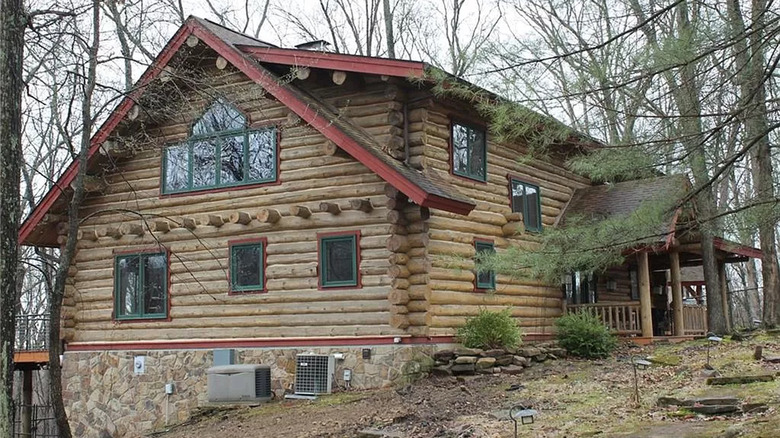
221	152
247	266
141	286
526	200
469	152
485	279
339	260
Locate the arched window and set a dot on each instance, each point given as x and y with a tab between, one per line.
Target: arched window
221	152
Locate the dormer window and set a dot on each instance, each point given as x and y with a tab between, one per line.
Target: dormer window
221	152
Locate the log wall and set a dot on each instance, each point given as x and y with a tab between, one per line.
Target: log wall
319	190
451	295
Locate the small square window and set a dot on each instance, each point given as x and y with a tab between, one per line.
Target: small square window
141	286
526	199
485	279
247	266
469	152
339	260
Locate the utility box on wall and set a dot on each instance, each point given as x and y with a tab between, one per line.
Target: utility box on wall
224	356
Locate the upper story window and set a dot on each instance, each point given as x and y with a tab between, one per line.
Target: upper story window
486	279
469	152
141	286
526	200
221	152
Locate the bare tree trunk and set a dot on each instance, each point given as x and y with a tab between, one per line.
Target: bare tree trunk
12	23
750	60
388	15
68	251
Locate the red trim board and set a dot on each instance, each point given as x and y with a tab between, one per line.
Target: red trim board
337	61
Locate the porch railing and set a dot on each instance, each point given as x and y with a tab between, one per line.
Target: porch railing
32	333
623	318
695	320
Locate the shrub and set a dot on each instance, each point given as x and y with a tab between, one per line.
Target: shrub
490	330
584	335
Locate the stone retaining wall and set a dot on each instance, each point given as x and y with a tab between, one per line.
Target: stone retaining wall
104	397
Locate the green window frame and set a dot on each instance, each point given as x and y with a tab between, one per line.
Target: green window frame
141	286
339	260
526	198
247	266
468	153
484	280
220	152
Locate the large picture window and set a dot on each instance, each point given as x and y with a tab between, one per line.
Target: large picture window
339	260
486	279
469	152
526	200
141	286
221	152
580	288
247	266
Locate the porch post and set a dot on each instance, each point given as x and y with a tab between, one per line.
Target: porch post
677	300
724	294
645	304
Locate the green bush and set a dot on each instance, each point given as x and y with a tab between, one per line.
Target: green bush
584	335
490	330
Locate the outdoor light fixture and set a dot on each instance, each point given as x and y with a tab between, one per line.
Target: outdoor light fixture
638	364
712	340
525	414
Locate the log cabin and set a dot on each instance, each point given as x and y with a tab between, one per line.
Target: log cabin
274	201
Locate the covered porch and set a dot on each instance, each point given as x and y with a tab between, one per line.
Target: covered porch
657	292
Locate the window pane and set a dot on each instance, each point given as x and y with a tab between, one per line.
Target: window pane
204	163
340	261
533	219
177	161
477	153
232	158
127	286
247	266
460	149
518	194
155	284
485	279
262	155
221	116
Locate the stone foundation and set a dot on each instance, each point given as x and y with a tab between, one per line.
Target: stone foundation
104	396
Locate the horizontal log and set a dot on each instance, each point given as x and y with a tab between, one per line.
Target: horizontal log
163	332
330	207
269	215
399	321
398	271
363	205
240	217
300	211
398	296
397	244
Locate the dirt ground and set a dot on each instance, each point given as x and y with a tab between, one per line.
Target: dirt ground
573	398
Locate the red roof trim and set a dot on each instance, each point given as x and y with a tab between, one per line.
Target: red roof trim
105	130
337	61
737	248
325	126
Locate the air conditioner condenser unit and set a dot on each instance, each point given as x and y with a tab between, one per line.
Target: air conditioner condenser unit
314	374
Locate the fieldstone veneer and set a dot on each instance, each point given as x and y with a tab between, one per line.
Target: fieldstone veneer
105	398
